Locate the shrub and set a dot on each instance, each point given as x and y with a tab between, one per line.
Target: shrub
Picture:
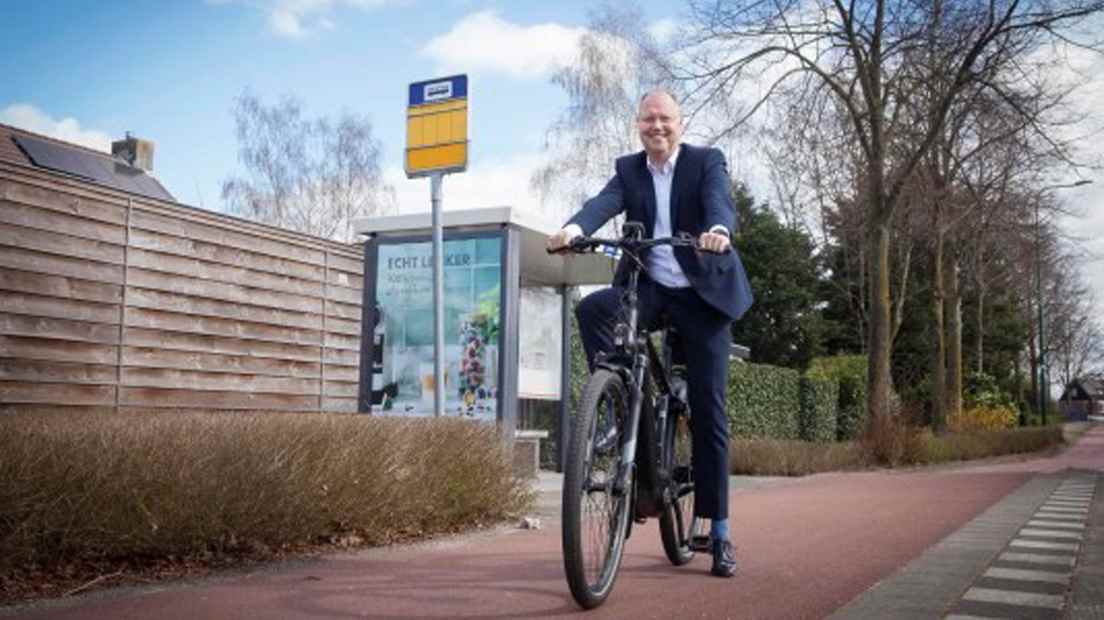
850	372
964	446
779	457
763	401
819	408
982	418
982	390
123	486
892	441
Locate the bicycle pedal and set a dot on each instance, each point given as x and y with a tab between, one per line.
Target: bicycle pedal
700	544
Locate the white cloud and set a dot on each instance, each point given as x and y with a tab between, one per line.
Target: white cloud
487	183
484	41
663	30
28	117
297	19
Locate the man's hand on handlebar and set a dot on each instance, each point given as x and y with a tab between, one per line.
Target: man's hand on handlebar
714	242
559	241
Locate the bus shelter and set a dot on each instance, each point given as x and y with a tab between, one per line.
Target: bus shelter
507	315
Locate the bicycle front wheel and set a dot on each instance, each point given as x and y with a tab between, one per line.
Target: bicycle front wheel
677	524
595	517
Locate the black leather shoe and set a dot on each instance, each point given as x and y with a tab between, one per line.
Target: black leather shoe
724	559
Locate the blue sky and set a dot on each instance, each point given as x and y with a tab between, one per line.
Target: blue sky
170	71
88	71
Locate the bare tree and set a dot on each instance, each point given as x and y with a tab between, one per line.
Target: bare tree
603	87
861	53
1077	341
312	176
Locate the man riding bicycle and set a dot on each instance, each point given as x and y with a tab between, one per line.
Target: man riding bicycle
671	188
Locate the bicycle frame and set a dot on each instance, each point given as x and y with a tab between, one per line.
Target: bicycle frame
633	344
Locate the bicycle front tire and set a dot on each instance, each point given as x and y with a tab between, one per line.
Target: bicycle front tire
594	519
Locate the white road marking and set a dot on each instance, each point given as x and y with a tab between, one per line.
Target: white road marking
1012	597
1038	558
1028	575
1038	544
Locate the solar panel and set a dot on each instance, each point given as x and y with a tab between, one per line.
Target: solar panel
98	168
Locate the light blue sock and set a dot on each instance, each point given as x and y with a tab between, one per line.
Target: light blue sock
718	529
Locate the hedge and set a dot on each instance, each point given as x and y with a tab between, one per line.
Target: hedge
850	372
819	408
763	401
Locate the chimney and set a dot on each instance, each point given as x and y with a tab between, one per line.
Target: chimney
134	151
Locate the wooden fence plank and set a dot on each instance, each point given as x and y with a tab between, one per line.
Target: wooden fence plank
343	294
217	272
59	286
36	371
341	341
59	244
160	398
353	263
172	321
187	304
343	311
61	200
67	266
216	362
341	326
56	393
23	348
341	357
216	381
62	329
182	246
140	337
340	388
342	373
148	220
345	279
221	290
43	219
56	307
48	409
342	405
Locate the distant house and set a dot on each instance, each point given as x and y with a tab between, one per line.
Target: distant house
1083	397
125	169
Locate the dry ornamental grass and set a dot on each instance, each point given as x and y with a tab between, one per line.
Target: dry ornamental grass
119	488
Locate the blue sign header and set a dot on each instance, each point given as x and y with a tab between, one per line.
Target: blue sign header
441	89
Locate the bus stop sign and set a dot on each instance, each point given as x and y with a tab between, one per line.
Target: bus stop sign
437	127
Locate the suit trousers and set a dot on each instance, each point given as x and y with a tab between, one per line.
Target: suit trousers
705	337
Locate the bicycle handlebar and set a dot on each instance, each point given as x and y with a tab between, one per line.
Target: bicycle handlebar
582	244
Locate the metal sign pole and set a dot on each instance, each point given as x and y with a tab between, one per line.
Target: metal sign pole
438	297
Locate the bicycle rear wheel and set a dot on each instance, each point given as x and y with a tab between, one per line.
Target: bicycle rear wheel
595	518
677	524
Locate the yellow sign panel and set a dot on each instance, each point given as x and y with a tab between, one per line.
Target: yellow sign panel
437	127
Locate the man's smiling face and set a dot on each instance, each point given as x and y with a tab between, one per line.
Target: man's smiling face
660	124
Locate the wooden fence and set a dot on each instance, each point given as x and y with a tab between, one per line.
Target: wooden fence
112	301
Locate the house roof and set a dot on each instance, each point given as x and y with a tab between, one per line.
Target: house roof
1094	386
31	149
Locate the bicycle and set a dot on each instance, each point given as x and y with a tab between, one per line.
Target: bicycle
630	444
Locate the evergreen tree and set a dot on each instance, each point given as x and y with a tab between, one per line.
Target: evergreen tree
784	326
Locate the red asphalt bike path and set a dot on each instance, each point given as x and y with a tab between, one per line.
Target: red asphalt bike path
806	547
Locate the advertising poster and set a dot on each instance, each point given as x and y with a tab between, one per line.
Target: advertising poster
541	342
404	382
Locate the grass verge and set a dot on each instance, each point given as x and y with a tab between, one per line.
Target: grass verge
98	494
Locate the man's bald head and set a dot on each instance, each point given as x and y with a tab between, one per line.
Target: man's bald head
660	93
659	122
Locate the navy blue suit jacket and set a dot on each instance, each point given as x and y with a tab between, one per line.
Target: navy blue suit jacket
701	197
